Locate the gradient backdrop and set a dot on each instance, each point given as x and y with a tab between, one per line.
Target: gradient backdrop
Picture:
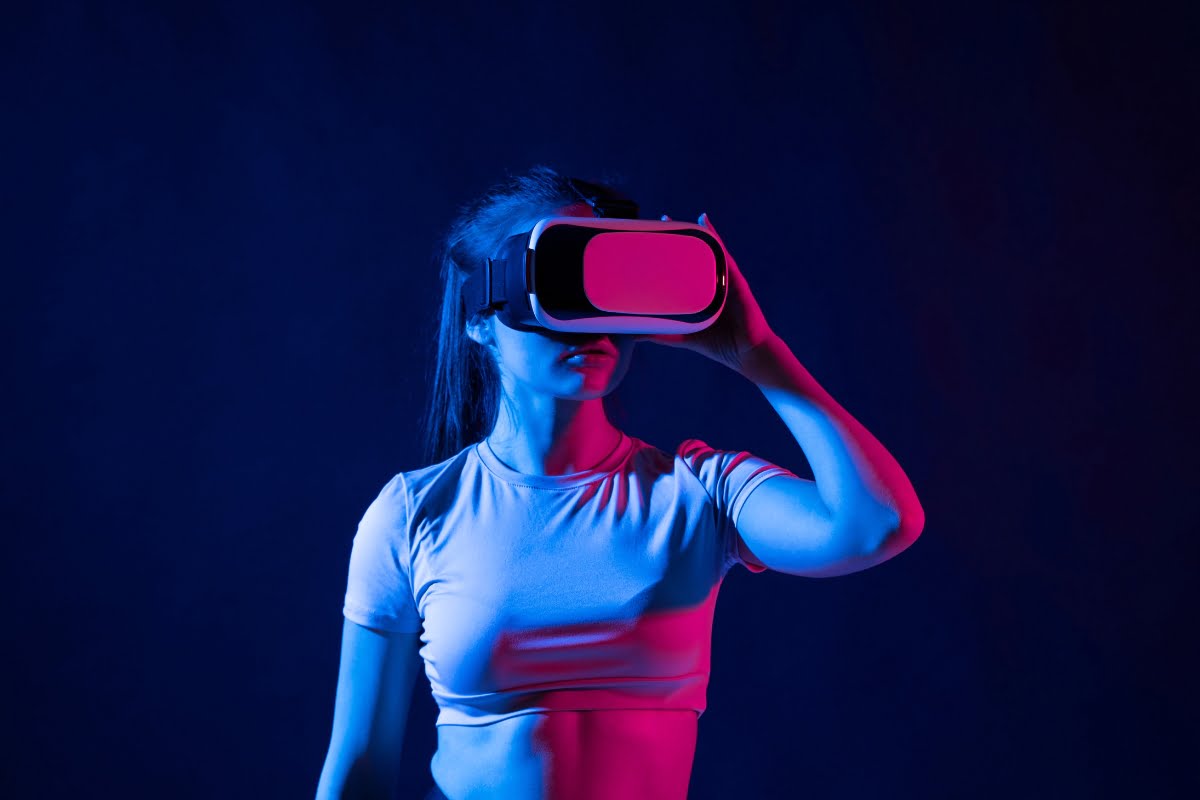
975	224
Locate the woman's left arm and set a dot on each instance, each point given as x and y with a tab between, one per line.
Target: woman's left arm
862	509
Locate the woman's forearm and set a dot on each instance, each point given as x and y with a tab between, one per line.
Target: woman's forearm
349	777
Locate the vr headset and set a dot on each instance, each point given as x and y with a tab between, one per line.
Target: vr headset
613	273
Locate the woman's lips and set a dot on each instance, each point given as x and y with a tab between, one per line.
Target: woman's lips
587	357
589	352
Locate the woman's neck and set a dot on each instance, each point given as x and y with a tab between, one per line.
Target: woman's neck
561	443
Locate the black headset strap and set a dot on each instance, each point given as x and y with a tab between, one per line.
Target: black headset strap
604	201
484	288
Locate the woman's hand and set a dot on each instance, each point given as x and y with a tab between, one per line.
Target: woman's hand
740	328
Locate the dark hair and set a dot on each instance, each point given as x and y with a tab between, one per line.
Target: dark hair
464	388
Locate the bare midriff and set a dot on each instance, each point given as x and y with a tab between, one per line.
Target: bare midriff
583	755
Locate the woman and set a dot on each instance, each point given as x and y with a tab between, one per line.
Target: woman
555	577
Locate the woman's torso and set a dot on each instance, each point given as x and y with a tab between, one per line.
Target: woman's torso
567	620
583	755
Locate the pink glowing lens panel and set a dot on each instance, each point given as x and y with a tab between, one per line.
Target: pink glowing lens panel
631	272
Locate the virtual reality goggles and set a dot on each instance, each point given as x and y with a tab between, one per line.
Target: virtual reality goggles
604	275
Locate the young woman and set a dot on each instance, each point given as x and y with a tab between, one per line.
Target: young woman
555	577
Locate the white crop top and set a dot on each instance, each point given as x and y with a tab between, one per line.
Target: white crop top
556	592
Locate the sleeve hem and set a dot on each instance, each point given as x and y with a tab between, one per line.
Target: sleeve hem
386	622
735	512
734	555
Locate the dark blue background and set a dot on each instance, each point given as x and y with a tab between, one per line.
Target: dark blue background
976	225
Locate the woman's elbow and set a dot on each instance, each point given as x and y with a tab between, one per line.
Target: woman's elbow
903	530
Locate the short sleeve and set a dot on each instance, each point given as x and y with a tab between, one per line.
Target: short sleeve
729	476
379	591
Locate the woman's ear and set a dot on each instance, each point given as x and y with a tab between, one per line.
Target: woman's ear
481	332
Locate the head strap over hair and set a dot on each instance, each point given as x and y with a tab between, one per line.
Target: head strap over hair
604	201
485	289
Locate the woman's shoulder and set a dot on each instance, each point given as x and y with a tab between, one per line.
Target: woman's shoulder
424	473
435	485
666	459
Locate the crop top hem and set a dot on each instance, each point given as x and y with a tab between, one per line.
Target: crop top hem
692	698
